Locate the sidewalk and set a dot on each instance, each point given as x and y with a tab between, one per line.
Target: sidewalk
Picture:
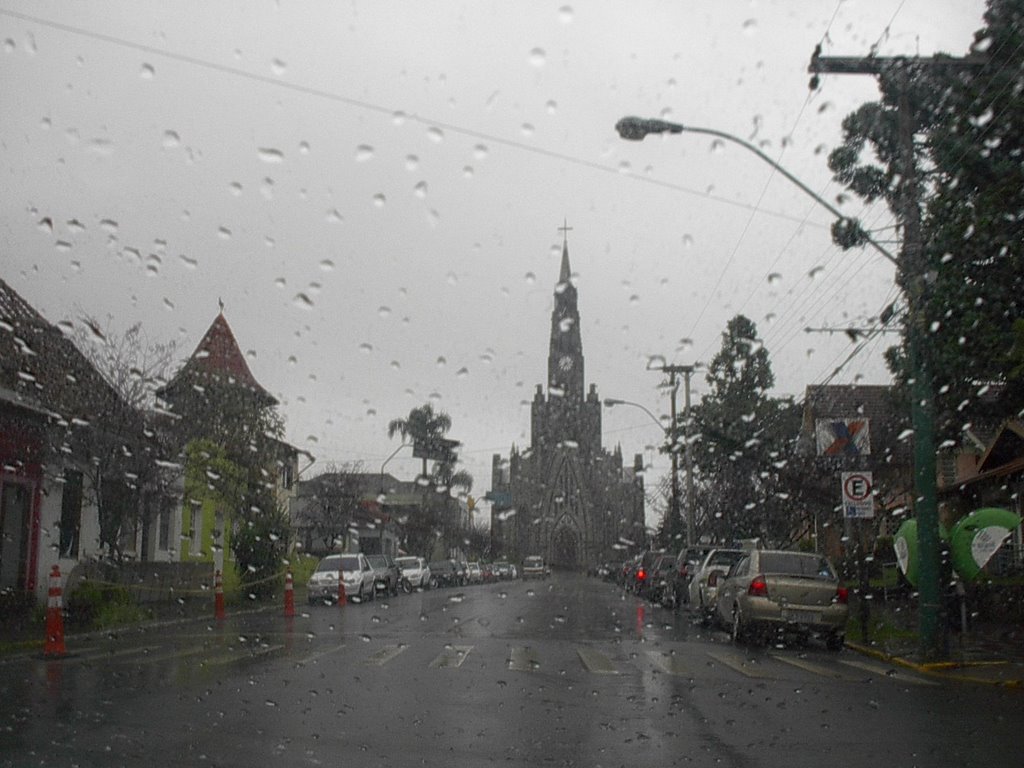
989	654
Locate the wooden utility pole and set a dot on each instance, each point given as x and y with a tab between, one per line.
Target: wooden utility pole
911	269
673	527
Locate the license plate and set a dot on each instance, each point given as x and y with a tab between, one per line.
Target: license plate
801	617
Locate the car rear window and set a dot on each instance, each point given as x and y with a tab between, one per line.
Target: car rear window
796	564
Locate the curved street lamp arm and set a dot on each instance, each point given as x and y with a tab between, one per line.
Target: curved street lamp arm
635	129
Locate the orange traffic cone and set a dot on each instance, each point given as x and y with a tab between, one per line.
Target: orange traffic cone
218	596
289	596
54	646
342	600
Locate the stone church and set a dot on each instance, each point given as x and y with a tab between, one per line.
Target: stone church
566	497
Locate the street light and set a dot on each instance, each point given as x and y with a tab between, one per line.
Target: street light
637	128
670	436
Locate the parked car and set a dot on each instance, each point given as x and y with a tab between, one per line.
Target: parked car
771	591
388	577
444	573
416	570
356	572
703	590
658	586
533	567
474	574
642	571
487	573
686	564
502	569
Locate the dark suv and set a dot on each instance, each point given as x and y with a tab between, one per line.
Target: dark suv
387	576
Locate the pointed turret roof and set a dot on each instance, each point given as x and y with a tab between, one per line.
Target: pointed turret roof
218	359
566	273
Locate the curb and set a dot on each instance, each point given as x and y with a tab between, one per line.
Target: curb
939	669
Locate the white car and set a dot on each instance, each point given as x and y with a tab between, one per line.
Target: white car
356	573
704	586
416	570
474	574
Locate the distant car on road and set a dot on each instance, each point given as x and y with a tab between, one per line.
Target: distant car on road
444	573
768	592
533	567
474	574
356	572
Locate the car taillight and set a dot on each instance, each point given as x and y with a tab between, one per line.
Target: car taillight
758	587
641	575
842	595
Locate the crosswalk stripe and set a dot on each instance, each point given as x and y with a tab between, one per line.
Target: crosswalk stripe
669	664
384	655
743	666
889	672
235	658
523	660
596	662
451	657
319	655
817	669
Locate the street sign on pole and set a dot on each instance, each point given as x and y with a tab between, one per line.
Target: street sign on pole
858	501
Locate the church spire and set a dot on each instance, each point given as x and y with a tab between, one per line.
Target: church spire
565	355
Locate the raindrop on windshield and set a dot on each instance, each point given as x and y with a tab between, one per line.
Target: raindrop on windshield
538	57
270	155
147	72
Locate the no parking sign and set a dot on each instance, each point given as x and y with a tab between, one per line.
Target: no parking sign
858	501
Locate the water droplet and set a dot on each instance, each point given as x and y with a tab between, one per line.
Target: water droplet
815	271
236	188
462	373
334	216
411	162
270	155
399	118
551	106
565	14
687	241
278	67
171	139
147	72
366	348
267	188
537	57
326	265
420	190
774	278
379	200
302	301
441	362
304	148
76	226
531	278
46	124
750	26
9	45
280	282
467	171
480	151
188	261
435	134
63	246
717	147
526	129
452	278
365	638
364	152
224	233
384	311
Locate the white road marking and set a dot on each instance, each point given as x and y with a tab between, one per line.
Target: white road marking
742	665
888	672
596	662
384	655
451	657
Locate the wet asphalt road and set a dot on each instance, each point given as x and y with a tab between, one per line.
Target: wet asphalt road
566	672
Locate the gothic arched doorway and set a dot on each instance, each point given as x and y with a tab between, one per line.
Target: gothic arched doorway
565	546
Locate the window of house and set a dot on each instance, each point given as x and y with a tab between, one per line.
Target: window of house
71	513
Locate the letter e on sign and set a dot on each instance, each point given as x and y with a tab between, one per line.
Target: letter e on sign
858	501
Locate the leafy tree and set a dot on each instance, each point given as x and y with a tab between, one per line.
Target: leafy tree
426	428
968	143
743	442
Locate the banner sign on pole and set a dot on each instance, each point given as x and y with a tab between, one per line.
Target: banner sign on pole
858	501
843	437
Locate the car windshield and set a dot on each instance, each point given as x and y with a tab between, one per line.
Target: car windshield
329	564
585	290
791	563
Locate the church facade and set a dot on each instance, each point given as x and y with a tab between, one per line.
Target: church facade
565	497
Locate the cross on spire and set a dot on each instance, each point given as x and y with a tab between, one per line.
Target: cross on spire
565	229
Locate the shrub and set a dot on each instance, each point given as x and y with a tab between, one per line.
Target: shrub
90	601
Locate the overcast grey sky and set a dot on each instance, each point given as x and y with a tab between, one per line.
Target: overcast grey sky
374	190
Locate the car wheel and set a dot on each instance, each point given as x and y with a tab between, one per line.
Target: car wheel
739	629
359	594
834	641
